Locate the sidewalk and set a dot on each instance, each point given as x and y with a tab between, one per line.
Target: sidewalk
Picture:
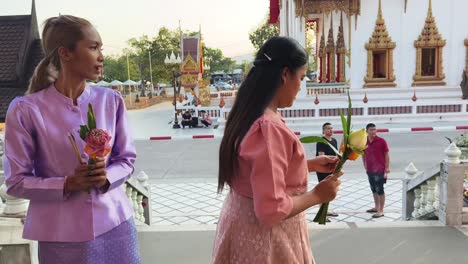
199	204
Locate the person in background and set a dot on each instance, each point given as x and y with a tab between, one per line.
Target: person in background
186	119
325	149
377	164
206	120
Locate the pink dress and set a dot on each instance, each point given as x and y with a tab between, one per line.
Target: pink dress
252	227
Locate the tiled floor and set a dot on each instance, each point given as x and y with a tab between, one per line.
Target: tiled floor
198	203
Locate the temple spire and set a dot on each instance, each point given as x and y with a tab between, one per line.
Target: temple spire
429	12
380	16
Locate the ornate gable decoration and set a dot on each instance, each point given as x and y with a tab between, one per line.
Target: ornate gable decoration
189	70
189	64
430	36
350	7
322	51
340	41
380	48
331	40
380	38
430	39
466	55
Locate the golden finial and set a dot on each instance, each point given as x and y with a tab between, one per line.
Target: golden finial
380	9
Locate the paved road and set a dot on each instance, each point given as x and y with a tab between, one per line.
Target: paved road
198	159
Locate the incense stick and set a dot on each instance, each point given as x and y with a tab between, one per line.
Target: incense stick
75	148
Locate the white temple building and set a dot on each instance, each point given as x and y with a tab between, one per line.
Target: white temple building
395	57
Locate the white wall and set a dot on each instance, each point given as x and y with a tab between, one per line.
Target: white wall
404	29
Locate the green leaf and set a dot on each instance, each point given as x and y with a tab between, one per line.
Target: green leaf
316	139
344	124
350	109
83	131
91	118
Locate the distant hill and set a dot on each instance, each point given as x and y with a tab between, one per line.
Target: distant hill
242	58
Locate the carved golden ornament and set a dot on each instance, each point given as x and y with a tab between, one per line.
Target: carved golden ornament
204	92
340	41
380	42
350	7
380	38
330	49
331	41
189	64
311	25
430	38
466	59
189	79
341	50
323	54
322	48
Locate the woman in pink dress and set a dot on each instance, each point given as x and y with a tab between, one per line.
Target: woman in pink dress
264	164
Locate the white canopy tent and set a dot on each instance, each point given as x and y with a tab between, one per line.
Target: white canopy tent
102	83
116	83
129	83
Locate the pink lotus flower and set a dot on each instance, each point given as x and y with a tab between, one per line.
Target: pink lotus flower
97	143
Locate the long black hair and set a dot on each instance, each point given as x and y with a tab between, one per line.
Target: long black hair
254	95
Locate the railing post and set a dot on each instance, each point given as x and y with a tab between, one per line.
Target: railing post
451	187
408	198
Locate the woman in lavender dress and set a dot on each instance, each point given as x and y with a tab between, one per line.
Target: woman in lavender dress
72	224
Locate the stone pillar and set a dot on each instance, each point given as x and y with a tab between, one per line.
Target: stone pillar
451	188
407	202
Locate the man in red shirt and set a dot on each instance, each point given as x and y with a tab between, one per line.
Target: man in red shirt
377	164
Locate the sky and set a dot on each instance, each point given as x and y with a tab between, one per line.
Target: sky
225	24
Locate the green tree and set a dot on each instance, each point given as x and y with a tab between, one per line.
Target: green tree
262	33
217	61
115	68
166	41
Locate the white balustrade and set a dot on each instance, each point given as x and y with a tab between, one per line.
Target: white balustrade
141	215
13	206
436	203
422	208
417	203
430	196
128	192
142	178
138	192
135	203
453	154
411	170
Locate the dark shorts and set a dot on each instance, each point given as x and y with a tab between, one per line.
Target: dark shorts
376	182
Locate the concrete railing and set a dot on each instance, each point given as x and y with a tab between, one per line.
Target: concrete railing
326	88
392	110
224	94
139	193
438	192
